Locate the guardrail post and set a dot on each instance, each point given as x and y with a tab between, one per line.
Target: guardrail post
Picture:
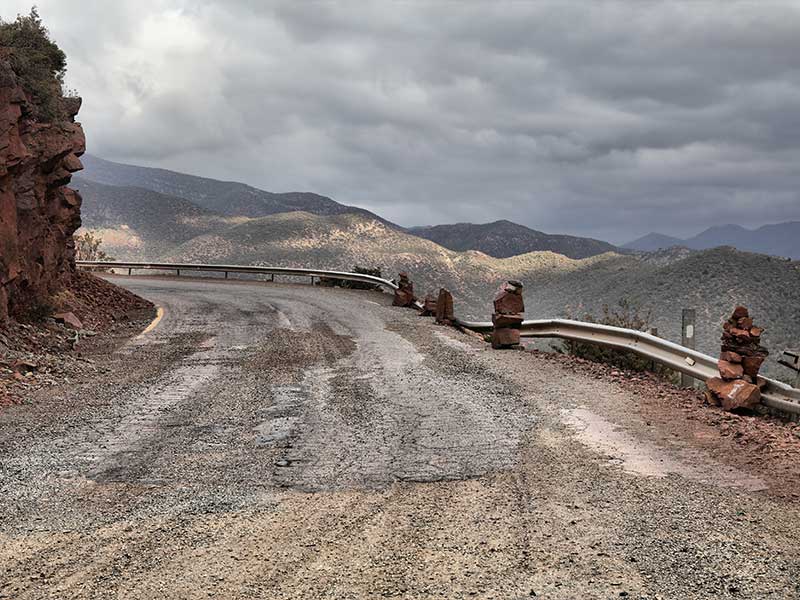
129	271
226	274
178	271
687	340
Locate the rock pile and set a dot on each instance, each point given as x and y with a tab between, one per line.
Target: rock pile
38	213
444	308
507	315
404	294
738	385
428	306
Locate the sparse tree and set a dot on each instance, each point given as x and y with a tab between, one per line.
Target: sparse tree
87	247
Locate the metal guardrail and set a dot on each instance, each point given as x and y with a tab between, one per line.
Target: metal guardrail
776	395
253	270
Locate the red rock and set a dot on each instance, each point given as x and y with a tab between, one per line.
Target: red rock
68	319
38	215
729	370
508	299
756	331
23	366
444	308
740	312
428	306
500	321
403	298
745	323
731	356
734	394
752	364
404	294
505	337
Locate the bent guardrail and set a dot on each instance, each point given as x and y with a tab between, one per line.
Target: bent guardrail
250	269
776	395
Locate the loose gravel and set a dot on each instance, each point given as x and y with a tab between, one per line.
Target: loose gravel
280	441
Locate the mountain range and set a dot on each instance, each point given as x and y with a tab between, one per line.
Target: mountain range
502	239
780	239
150	214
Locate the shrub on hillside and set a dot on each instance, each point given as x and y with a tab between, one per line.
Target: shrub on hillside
355	285
87	247
37	61
625	315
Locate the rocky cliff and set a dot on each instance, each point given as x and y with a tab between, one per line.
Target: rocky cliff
38	213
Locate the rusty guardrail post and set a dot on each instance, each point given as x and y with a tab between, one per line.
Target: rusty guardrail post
507	316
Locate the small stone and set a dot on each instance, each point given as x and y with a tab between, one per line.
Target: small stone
731	357
69	319
740	312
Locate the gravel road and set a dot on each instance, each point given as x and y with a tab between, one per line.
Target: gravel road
283	441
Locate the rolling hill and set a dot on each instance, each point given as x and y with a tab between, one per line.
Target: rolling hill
140	224
780	239
228	198
502	239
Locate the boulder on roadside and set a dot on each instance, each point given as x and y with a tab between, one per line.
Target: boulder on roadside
735	394
428	306
69	319
506	337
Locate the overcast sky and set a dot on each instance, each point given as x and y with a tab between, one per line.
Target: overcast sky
600	119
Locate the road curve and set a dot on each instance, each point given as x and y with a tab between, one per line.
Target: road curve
284	441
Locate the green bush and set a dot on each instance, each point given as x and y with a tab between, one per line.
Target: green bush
37	61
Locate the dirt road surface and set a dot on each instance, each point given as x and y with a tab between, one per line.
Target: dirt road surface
283	441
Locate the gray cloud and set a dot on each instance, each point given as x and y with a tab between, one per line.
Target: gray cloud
602	119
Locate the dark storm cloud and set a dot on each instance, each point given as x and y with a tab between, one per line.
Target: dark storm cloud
603	119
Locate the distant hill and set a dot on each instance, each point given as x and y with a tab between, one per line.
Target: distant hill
502	239
137	223
221	197
780	239
654	241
